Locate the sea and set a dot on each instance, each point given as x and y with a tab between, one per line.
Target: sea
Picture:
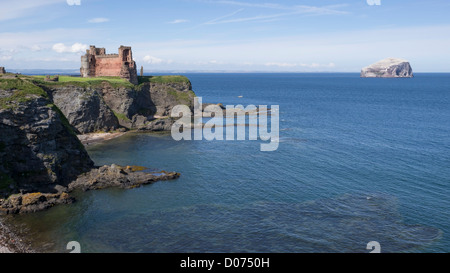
359	160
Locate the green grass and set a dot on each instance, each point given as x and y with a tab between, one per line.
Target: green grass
84	82
121	116
80	79
163	79
180	96
22	91
114	81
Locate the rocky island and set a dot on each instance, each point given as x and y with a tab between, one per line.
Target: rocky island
388	68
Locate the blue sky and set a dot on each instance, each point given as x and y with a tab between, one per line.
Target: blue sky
228	35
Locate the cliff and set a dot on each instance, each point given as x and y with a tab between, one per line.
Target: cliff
105	105
38	149
41	158
388	68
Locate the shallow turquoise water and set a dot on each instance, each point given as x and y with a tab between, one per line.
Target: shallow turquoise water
359	160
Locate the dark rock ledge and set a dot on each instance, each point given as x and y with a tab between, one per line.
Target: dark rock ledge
121	177
98	178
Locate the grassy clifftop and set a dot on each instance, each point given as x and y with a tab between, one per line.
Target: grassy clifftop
164	79
31	84
20	90
23	85
82	82
115	81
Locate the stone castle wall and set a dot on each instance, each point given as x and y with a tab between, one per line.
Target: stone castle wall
96	63
107	66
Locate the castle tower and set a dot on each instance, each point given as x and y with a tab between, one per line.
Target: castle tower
96	63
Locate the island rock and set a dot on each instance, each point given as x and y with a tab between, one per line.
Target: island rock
388	68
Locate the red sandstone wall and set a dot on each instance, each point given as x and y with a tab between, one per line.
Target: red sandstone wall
107	66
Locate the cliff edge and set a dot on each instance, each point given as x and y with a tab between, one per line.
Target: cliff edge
94	105
388	68
41	157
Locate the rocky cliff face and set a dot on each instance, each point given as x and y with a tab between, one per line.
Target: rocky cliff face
84	108
107	107
388	68
41	158
38	149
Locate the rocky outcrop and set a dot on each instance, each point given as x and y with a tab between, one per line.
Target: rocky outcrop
2	70
388	68
41	158
38	149
33	202
147	106
84	108
98	178
119	177
107	107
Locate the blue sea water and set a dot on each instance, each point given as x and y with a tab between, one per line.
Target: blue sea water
359	160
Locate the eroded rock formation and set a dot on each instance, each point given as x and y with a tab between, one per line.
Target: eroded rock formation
41	158
107	107
388	68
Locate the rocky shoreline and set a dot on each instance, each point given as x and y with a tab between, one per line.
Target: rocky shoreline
98	178
46	126
10	242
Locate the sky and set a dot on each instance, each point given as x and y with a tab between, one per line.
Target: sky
228	35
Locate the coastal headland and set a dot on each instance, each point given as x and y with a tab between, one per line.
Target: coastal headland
42	122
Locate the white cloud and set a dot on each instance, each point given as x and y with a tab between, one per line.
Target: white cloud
73	2
312	65
349	51
6	55
75	48
289	11
179	21
152	60
218	20
98	20
5	58
281	64
35	48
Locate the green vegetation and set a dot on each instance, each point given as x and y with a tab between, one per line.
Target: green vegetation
181	96
163	79
2	146
63	79
84	82
5	181
121	116
63	118
22	91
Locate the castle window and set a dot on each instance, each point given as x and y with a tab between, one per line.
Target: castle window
126	53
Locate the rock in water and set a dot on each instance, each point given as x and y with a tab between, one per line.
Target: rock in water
388	68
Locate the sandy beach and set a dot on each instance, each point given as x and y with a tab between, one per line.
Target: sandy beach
95	138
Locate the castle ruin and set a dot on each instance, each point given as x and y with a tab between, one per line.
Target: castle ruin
96	63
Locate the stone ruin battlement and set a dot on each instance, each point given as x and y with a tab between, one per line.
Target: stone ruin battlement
108	56
96	63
